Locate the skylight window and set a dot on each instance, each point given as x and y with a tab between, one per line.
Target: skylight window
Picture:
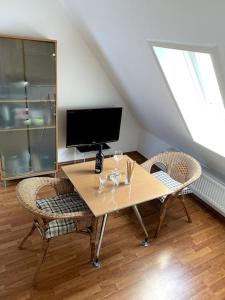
192	79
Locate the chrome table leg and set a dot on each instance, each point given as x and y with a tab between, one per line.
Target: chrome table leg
136	211
96	262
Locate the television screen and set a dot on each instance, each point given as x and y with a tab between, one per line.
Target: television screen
93	126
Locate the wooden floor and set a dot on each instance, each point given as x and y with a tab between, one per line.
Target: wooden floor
187	261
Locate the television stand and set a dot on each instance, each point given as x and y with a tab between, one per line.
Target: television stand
89	148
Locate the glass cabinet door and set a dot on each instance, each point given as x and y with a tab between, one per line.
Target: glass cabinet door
40	70
41	114
42	149
14	154
12	85
27	107
13	115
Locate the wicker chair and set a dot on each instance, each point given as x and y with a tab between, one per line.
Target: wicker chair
64	213
179	171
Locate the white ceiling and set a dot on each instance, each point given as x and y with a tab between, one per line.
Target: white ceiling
117	32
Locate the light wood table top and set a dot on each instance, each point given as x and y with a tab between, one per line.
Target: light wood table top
143	187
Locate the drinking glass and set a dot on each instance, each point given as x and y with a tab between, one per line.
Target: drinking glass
102	180
115	177
118	155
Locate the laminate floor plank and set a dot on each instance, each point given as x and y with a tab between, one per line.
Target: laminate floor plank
186	261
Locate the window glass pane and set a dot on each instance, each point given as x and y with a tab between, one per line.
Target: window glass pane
192	80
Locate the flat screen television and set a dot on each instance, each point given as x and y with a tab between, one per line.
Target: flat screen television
93	126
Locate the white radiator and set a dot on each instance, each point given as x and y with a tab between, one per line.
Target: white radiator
210	190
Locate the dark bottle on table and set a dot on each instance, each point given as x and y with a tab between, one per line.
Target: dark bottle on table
99	161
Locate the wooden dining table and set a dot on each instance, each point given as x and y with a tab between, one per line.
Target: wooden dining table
143	187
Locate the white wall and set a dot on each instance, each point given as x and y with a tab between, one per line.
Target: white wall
117	34
150	145
120	31
81	80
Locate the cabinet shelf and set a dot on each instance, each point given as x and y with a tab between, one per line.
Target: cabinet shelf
27	128
29	174
28	101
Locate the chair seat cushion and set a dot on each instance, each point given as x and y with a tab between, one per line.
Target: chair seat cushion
64	203
170	183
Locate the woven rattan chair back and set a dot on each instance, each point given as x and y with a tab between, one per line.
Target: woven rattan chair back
180	167
27	191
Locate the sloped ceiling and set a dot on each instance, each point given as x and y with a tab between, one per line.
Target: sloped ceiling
118	32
